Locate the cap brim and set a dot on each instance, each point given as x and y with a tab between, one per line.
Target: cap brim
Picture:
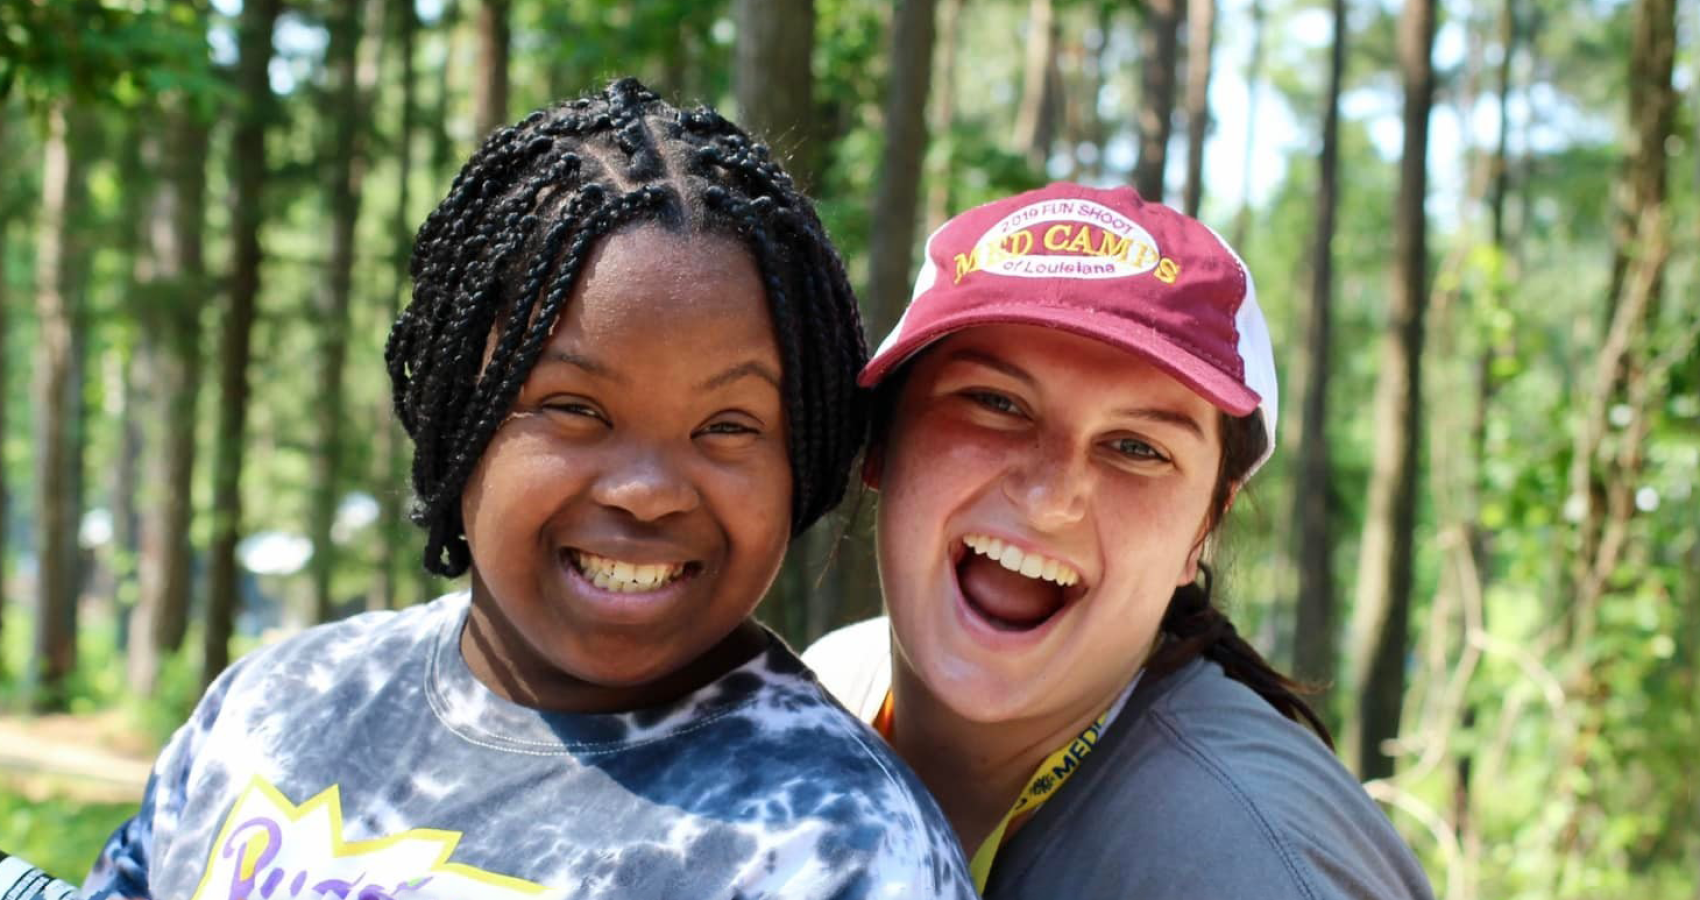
1181	363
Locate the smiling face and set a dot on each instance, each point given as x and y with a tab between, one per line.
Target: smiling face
1041	496
635	505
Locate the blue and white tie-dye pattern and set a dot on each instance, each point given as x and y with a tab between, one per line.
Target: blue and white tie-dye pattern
363	760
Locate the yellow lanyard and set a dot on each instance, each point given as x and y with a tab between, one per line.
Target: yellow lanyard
1056	769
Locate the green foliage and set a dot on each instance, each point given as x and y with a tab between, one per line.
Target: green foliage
61	835
103	51
1584	771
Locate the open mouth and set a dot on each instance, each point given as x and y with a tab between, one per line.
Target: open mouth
623	577
1013	589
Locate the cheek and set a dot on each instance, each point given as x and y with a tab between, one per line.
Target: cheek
517	480
754	497
1154	529
935	463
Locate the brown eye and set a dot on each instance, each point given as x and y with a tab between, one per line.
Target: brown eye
573	408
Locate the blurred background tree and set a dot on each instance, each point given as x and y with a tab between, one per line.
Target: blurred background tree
1472	225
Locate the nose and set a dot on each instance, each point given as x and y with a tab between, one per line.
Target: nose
646	483
1049	486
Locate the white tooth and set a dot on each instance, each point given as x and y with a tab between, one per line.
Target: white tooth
1032	566
647	575
600	579
1049	572
1011	558
623	571
994	549
1068	578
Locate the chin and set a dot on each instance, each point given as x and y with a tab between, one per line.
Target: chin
978	694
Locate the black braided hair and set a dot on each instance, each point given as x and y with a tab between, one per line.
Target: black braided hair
502	252
1194	626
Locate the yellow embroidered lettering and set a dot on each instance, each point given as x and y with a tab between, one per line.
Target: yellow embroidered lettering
1168	270
1113	245
1143	256
1082	242
967	262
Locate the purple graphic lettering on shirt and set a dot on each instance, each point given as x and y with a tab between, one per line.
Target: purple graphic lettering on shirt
339	887
271	883
272	836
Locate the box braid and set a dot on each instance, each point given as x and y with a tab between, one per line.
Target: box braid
500	255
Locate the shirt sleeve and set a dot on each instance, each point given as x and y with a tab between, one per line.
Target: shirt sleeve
121	872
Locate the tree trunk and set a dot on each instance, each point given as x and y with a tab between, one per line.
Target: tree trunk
58	403
1036	117
392	524
444	158
5	506
248	178
774	83
892	246
343	178
490	103
126	486
1254	91
1652	109
1314	633
1475	537
178	288
942	117
1201	42
1381	627
1158	46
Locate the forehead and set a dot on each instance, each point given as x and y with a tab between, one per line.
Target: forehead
673	292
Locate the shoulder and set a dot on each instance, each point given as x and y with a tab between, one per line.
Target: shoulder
826	790
1212	788
853	663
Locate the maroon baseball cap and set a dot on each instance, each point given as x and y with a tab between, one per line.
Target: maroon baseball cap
1105	264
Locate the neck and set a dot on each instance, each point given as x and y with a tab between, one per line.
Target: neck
975	769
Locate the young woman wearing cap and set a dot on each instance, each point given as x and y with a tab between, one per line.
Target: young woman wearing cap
1079	388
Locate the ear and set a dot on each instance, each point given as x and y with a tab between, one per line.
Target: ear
1189	572
873	465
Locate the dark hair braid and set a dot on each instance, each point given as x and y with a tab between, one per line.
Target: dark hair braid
1193	626
494	265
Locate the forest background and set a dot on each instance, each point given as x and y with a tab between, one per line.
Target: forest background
1473	227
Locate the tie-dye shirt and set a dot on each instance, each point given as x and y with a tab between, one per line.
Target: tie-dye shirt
364	760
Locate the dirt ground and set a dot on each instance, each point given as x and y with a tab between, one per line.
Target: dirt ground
96	758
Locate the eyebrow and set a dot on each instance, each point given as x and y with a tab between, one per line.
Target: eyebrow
747	369
1166	416
585	363
992	362
1148	413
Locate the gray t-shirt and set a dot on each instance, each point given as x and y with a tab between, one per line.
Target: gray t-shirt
362	760
1198	790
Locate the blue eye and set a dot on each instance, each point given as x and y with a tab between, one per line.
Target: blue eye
1134	448
994	401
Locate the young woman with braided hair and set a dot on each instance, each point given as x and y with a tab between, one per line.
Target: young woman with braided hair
1079	388
628	370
